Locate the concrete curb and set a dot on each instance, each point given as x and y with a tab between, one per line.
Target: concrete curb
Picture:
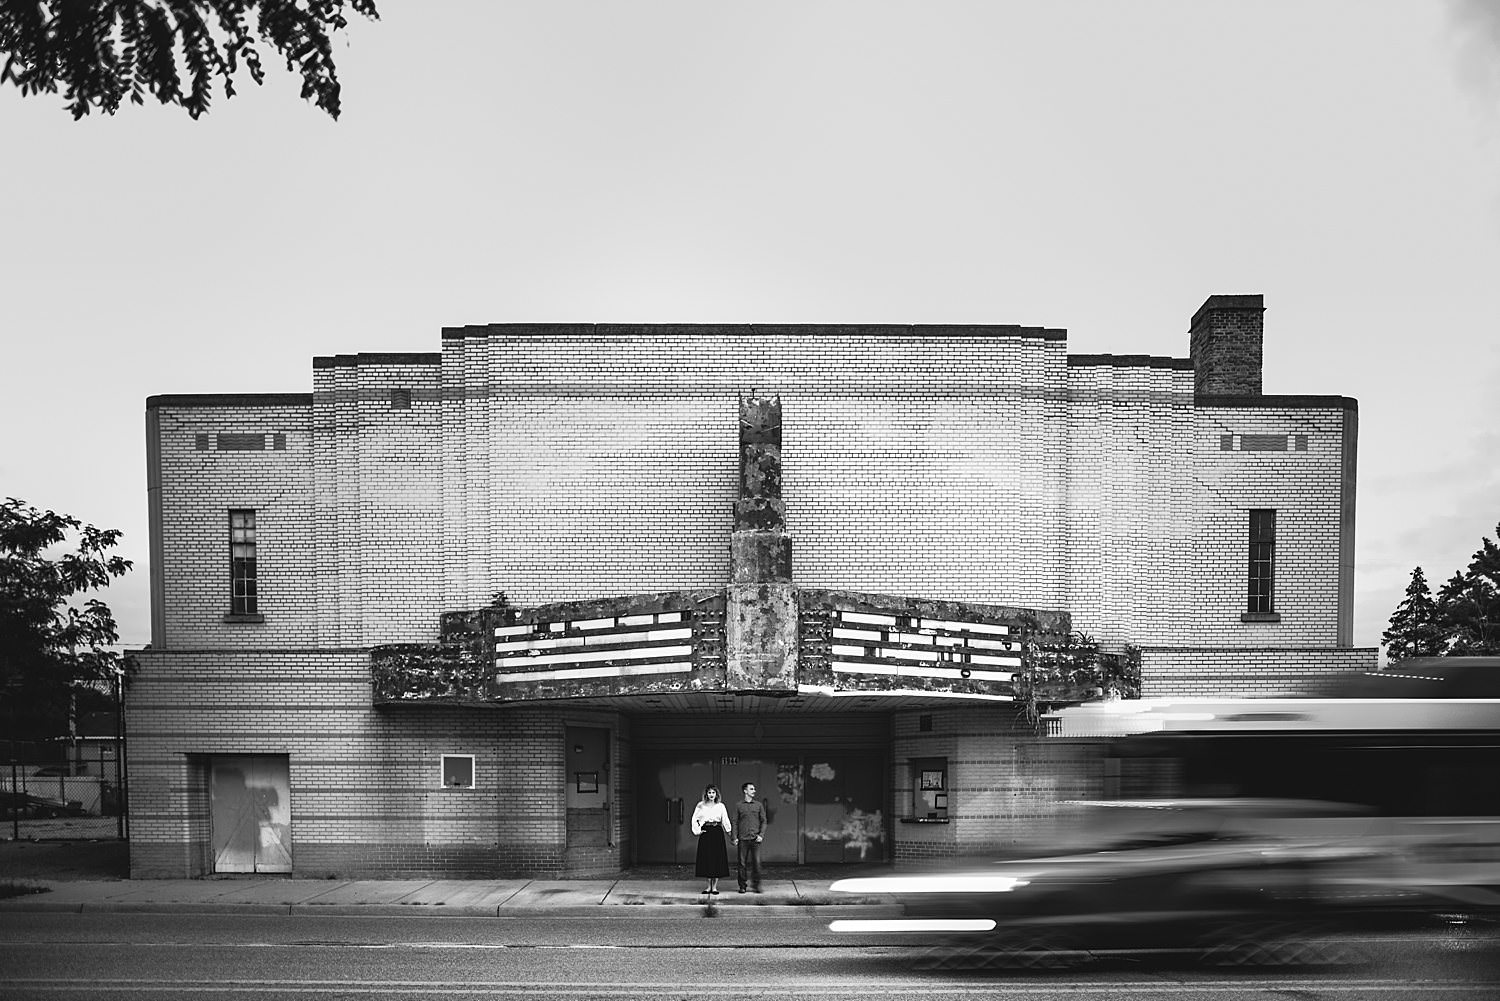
688	912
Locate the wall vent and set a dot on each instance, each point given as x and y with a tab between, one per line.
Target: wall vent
237	442
1263	443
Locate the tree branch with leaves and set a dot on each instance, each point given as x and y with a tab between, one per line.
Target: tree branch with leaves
100	53
50	641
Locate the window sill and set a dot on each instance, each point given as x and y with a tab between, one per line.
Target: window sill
924	820
1260	617
230	617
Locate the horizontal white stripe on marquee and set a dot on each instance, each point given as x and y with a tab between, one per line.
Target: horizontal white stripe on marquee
867	619
921	656
579	673
869	636
644	619
584	656
984	658
925	625
903	671
525	627
925	639
962	627
651	636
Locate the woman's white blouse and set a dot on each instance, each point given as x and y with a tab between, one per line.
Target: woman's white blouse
705	813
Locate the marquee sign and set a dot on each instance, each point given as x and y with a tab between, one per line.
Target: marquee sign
916	647
619	646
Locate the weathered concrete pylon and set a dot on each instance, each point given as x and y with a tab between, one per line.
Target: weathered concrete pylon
761	619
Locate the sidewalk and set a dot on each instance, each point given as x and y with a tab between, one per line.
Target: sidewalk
630	895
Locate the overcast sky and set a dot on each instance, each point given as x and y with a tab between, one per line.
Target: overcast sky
1101	167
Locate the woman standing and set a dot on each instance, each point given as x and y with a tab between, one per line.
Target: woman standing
710	821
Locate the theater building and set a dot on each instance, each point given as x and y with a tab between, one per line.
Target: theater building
506	608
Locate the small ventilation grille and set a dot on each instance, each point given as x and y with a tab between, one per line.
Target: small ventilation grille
1263	442
234	442
241	441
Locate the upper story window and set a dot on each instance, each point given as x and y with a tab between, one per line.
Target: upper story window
242	598
1262	590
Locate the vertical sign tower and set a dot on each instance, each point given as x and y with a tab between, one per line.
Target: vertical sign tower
761	620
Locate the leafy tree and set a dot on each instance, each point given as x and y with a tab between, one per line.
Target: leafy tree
1469	604
1414	630
49	645
101	52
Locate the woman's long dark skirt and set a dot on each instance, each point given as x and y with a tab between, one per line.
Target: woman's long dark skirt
713	858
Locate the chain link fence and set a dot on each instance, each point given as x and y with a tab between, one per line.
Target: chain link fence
70	792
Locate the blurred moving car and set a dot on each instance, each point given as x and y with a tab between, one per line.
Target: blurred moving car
1278	817
1227	879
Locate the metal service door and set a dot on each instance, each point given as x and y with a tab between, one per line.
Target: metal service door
841	812
587	793
667	789
778	785
250	808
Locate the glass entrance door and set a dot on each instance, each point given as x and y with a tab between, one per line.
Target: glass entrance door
667	789
819	807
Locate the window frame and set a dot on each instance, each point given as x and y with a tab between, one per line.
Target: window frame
929	800
443	760
244	593
1260	572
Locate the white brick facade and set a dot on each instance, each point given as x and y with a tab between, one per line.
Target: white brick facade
556	463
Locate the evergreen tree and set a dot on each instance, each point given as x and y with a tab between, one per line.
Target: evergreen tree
1414	630
1481	603
1467	616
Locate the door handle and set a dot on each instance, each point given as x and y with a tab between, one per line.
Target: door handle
679	813
668	818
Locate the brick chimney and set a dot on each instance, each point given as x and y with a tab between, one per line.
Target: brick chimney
1225	344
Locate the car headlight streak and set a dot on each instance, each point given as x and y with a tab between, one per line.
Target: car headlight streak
912	924
945	883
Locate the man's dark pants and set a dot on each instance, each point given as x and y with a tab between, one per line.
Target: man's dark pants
749	863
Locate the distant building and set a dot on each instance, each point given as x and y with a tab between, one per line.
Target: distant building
813	557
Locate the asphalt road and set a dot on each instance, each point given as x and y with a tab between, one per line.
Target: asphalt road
82	956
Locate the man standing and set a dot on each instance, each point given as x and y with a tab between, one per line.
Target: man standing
749	832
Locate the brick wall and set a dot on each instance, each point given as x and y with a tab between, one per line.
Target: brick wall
577	463
1130	497
367	794
1302	482
1008	789
573	463
378	495
199	469
587	461
1182	672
